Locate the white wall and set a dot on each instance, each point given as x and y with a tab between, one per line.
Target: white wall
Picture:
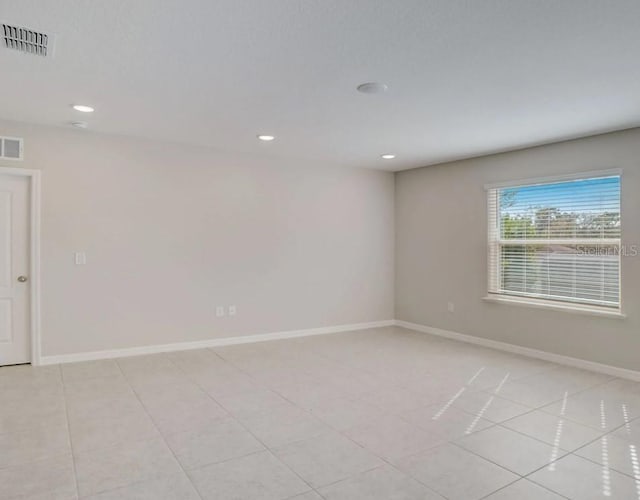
171	231
441	250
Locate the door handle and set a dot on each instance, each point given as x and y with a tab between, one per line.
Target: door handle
22	279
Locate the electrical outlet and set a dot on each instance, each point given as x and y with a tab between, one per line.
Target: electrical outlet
450	307
232	310
220	311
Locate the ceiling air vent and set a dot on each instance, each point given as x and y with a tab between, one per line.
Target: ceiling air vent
11	148
26	40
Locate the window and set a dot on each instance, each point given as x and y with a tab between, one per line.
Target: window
558	241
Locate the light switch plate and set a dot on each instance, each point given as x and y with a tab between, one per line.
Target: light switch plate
80	258
220	311
232	310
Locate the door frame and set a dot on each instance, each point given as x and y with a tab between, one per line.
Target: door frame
34	255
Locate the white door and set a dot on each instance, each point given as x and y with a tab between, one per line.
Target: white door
15	341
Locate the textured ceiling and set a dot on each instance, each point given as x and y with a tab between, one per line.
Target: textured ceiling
465	77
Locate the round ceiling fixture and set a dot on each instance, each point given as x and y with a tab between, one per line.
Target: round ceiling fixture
83	108
79	124
372	88
387	156
266	138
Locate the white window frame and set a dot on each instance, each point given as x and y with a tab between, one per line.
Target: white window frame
495	244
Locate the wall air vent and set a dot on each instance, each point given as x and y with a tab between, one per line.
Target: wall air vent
26	40
11	148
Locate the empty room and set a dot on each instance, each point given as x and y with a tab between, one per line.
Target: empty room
319	249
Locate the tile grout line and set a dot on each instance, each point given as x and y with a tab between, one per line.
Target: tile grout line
386	463
565	453
445	441
237	421
558	458
157	429
525	479
568	452
486	459
66	414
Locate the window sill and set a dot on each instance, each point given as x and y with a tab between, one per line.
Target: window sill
547	304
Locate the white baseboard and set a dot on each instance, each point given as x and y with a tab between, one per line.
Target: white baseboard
525	351
201	344
247	339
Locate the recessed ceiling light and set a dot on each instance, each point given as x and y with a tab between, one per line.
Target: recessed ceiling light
266	138
82	108
388	157
372	88
79	124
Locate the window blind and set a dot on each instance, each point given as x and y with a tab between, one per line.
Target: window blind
558	241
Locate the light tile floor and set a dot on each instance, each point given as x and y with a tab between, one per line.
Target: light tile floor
378	414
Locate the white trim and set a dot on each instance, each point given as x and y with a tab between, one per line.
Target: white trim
484	342
525	351
555	178
513	300
34	245
201	344
495	244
